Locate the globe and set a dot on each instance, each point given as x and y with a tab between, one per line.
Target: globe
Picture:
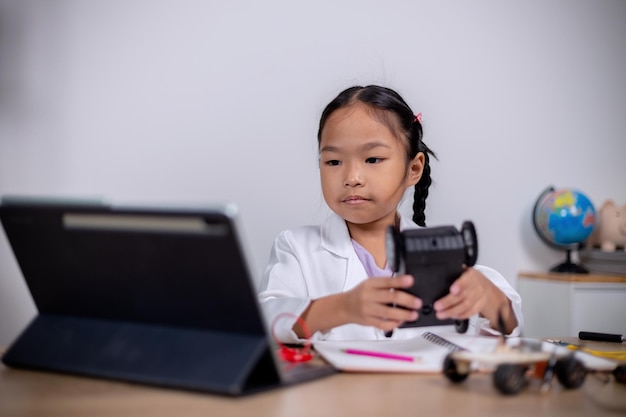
564	219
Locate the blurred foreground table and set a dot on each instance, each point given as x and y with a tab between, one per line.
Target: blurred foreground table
32	393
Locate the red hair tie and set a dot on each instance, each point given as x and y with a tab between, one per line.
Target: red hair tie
418	118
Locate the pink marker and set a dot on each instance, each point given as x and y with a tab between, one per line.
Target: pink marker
383	355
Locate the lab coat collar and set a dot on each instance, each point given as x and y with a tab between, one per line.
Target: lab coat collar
336	238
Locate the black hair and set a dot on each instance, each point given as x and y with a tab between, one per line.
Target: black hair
396	114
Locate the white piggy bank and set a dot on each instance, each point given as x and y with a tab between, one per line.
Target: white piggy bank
610	230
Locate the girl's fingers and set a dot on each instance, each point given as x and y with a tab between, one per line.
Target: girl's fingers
400	298
458	306
400	281
459	311
382	296
396	316
389	291
399	314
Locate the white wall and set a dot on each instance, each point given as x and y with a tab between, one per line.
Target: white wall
212	101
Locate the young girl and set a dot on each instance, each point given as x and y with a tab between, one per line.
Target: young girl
335	276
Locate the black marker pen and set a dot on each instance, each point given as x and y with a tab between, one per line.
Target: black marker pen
601	337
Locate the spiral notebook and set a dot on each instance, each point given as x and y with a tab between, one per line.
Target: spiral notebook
427	351
443	342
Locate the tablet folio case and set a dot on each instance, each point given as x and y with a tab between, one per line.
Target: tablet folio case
142	295
192	359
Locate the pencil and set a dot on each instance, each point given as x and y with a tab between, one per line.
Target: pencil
383	355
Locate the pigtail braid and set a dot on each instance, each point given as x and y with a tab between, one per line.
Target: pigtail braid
421	192
421	188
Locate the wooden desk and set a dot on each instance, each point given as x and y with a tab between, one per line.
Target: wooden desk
561	277
29	393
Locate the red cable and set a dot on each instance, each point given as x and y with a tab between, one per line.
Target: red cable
291	354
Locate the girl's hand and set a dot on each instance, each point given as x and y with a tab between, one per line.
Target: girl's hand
371	303
473	293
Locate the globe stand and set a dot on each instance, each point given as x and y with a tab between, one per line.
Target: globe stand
569	267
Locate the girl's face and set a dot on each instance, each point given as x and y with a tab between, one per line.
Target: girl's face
363	167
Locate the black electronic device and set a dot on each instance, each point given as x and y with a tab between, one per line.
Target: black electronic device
435	257
154	295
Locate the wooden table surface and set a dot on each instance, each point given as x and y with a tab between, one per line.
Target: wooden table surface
41	394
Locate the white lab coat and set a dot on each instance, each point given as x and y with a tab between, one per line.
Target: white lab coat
310	262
